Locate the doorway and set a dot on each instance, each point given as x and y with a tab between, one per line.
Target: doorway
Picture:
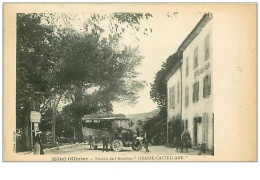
196	120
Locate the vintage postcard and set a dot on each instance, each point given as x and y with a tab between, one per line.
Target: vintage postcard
130	82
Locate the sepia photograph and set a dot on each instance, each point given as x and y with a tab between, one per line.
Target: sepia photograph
124	85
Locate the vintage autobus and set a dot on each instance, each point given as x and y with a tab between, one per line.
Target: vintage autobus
116	125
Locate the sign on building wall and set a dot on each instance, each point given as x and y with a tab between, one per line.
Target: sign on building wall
202	70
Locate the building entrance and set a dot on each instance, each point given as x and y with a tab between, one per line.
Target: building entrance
196	120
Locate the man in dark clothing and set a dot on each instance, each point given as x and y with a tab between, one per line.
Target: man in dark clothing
146	144
179	144
185	138
38	149
105	140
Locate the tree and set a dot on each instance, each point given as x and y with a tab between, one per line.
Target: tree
118	24
35	58
103	72
86	71
158	92
152	129
176	130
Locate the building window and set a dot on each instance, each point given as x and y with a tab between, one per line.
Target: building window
196	92
206	86
207	47
187	66
186	97
195	58
178	92
172	96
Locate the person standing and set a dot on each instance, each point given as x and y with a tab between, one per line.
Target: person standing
185	138
105	140
38	149
146	144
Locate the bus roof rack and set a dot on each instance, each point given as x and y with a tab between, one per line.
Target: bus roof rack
105	117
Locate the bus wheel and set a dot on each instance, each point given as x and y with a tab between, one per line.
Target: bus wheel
117	145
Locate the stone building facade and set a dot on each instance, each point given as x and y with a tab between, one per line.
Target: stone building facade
189	85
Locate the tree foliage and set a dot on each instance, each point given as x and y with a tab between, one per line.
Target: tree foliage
60	68
175	129
150	126
36	58
158	92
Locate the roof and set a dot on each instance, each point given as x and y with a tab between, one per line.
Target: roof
115	118
193	34
104	119
196	30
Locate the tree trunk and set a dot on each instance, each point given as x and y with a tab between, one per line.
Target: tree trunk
53	127
78	128
74	135
26	131
54	111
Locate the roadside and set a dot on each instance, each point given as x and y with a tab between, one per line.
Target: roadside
84	149
57	148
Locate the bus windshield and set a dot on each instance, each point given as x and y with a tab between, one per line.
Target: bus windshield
121	124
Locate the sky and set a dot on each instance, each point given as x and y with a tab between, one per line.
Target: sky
167	35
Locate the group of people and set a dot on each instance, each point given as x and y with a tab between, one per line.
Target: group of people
184	141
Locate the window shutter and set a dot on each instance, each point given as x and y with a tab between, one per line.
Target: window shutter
195	58
193	93
204	86
206	46
186	97
197	91
209	84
